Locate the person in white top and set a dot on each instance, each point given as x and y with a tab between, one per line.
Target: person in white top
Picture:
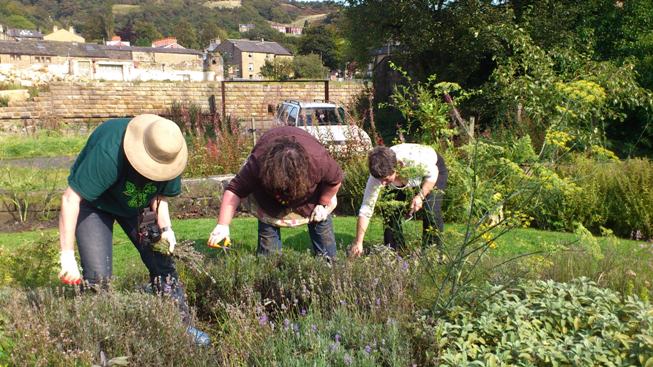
384	165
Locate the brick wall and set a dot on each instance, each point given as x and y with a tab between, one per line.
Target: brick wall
99	100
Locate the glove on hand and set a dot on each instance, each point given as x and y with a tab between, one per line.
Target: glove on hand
320	213
169	236
220	233
69	273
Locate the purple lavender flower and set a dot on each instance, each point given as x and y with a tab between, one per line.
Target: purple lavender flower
378	301
263	319
337	338
368	349
314	328
404	265
347	359
286	323
302	312
295	327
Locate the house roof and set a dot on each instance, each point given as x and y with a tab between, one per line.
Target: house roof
74	49
266	47
166	50
164	42
24	33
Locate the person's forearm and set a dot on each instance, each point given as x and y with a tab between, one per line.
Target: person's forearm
361	227
328	194
68	219
228	206
161	207
426	188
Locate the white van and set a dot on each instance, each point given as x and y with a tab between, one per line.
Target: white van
326	121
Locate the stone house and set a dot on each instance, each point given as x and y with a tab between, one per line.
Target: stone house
86	61
243	59
64	35
287	29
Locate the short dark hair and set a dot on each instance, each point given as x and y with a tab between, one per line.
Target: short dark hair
284	169
382	162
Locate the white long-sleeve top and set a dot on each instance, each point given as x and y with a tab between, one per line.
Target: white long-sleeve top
410	155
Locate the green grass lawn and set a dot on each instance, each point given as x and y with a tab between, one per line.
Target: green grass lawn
41	145
244	236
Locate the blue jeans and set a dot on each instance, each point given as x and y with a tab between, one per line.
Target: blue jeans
94	235
322	238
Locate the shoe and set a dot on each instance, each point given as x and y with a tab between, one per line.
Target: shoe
200	338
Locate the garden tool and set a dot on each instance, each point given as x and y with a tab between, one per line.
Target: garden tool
220	237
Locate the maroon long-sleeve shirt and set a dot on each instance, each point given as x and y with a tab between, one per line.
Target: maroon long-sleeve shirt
324	174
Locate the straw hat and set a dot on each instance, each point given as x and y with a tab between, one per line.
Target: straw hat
155	147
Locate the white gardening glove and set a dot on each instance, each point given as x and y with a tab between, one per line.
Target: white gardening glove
69	273
169	236
320	213
220	233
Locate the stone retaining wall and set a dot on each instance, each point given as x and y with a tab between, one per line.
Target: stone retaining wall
244	100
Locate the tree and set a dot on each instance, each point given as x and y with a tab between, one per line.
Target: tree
145	32
309	67
320	40
277	69
18	21
210	32
186	35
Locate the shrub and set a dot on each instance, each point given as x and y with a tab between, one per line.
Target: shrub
617	195
216	145
29	193
34	265
539	323
51	328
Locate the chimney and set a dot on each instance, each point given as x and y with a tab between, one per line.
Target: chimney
55	28
71	30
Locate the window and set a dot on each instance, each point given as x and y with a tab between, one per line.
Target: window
292	116
14	57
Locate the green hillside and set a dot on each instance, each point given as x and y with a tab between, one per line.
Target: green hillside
193	22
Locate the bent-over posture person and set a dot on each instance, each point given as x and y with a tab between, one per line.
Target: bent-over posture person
384	164
292	180
125	173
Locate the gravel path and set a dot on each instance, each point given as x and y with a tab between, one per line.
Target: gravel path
39	162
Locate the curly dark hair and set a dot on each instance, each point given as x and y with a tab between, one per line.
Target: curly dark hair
382	162
284	170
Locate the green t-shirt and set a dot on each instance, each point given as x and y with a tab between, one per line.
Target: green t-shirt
103	176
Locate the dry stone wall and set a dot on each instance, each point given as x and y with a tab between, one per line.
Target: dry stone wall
83	101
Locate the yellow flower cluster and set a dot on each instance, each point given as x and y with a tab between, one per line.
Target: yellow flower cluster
519	219
557	138
603	153
487	236
583	92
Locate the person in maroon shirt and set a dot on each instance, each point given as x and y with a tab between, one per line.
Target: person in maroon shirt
292	180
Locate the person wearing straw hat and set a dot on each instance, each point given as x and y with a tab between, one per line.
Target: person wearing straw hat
125	173
291	180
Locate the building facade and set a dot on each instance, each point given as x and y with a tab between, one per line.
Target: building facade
85	61
243	59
